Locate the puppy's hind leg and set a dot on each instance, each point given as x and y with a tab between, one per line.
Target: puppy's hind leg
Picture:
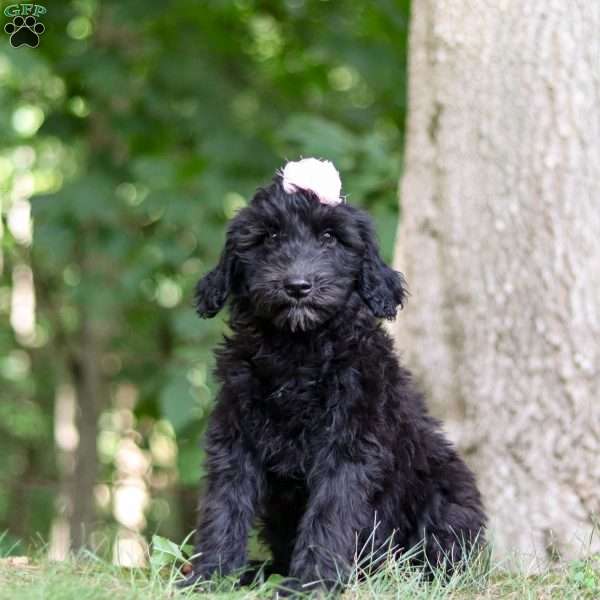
453	535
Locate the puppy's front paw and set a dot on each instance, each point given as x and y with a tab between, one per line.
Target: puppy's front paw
196	579
288	588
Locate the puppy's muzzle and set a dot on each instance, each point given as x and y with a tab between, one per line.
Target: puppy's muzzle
297	287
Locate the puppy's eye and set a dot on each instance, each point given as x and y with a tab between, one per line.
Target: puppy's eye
327	238
273	238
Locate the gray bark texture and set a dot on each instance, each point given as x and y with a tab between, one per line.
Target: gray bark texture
500	242
87	377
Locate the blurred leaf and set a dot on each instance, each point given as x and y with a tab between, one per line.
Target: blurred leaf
164	553
315	136
177	402
190	464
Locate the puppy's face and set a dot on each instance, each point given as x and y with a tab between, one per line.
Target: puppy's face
300	259
295	262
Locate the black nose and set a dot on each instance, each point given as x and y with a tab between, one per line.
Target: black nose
297	287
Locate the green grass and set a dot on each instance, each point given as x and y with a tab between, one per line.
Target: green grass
89	578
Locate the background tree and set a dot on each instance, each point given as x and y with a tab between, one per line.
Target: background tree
500	241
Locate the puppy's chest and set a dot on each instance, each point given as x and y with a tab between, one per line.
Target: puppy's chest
290	418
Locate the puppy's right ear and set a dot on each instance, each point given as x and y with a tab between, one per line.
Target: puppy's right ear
382	288
212	290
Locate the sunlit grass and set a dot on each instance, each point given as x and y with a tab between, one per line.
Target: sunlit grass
87	577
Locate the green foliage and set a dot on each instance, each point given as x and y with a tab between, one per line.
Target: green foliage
136	130
166	554
585	575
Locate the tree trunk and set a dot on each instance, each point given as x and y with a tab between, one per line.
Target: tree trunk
86	374
500	242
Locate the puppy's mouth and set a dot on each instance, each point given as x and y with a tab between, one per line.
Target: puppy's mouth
294	314
310	311
299	316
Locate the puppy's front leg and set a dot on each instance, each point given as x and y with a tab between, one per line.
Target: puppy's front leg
234	484
337	510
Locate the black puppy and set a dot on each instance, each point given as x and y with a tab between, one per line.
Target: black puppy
318	432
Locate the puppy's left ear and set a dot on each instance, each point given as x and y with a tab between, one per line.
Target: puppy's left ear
382	288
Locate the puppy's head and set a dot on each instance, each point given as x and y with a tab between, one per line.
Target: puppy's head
295	261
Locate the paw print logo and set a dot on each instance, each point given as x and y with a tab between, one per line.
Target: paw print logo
24	32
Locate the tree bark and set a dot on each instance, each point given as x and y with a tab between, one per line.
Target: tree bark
87	378
500	242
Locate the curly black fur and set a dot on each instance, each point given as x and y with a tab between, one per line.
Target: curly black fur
318	432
